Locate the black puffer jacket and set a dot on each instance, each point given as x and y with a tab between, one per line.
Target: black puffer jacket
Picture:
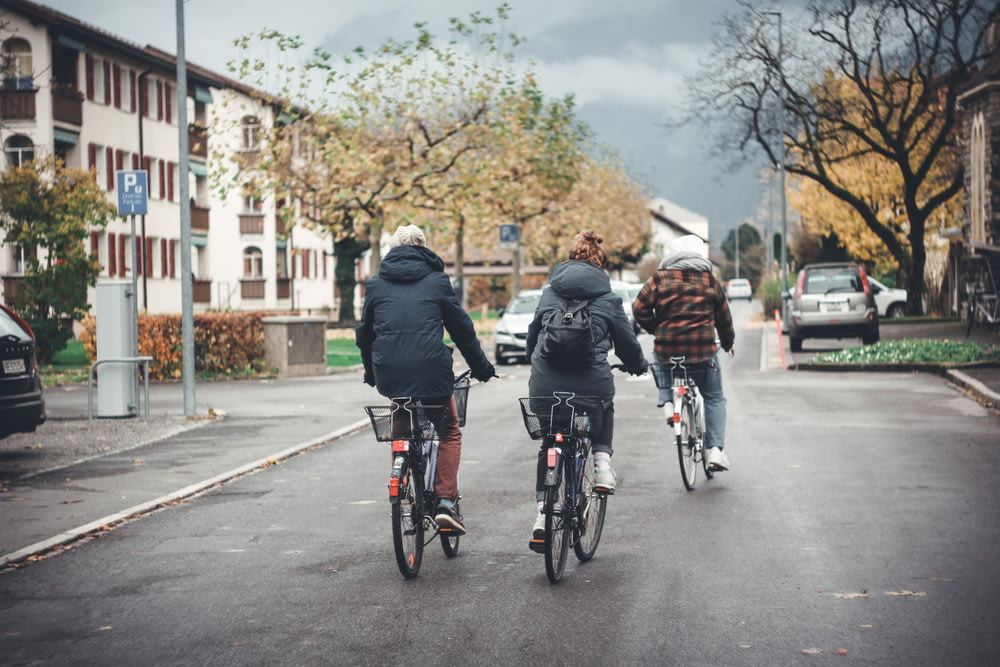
575	279
408	305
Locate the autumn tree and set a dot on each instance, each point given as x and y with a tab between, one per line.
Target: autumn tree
603	198
897	66
48	211
378	137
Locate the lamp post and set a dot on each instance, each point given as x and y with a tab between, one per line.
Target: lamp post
781	167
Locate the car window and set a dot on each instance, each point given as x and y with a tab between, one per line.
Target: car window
524	303
10	327
833	280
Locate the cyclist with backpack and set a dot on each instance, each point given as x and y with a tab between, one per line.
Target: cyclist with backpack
560	363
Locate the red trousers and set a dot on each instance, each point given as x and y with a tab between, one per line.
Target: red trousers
449	451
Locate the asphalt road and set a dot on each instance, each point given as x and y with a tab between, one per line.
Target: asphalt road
859	523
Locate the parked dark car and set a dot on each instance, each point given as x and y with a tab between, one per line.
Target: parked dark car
832	300
22	406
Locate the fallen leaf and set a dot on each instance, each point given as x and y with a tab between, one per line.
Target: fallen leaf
851	596
841	651
907	594
812	651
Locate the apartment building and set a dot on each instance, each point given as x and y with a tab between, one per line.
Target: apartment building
100	102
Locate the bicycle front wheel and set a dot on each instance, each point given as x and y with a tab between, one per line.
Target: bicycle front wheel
408	522
590	509
686	447
558	512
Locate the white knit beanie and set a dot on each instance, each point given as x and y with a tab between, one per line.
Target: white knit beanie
408	235
688	243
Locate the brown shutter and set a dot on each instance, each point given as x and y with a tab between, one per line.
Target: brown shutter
159	100
164	270
109	167
131	90
122	247
89	59
163	181
107	82
116	77
149	258
170	180
112	255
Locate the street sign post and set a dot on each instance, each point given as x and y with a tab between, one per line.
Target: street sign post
510	237
133	192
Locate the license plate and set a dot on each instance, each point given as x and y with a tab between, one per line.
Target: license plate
833	307
13	366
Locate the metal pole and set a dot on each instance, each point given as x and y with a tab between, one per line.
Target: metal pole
781	130
187	283
139	81
736	240
134	344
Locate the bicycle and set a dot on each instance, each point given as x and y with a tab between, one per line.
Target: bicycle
574	508
408	425
685	413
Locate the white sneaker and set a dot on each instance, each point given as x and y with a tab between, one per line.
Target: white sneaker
717	460
604	479
538	530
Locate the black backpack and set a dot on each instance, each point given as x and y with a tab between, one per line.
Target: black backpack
567	335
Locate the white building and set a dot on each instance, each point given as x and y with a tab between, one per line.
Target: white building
100	102
671	221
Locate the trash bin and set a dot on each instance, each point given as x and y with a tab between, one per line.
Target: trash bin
295	345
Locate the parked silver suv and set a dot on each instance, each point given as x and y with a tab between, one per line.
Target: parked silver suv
832	300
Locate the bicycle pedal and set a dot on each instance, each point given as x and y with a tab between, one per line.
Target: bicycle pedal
538	546
604	489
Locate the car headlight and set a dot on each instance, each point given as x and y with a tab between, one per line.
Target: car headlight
502	330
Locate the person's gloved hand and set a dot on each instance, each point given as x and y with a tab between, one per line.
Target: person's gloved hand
642	370
486	373
369	379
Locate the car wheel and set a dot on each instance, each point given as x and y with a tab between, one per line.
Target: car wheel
501	361
795	343
896	310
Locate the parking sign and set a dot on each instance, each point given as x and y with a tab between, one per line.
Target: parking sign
133	192
509	237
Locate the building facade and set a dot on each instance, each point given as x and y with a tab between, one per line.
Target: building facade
101	103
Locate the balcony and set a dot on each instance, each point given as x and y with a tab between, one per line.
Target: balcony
201	291
252	288
17	104
199	218
197	140
251	223
67	105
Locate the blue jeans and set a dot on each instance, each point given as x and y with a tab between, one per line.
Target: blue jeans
708	376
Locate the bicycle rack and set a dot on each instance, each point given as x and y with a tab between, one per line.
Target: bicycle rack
118	360
981	288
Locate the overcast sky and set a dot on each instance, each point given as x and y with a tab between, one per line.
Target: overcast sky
624	62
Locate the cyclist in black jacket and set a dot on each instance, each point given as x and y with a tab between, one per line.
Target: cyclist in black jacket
408	306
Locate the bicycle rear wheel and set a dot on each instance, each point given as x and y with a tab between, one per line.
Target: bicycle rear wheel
558	510
408	522
449	539
686	448
590	509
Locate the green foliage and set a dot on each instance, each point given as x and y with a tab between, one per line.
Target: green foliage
49	210
913	351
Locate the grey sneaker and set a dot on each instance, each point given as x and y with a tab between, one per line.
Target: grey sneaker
448	519
717	460
604	480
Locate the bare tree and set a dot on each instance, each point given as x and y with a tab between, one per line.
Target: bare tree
840	80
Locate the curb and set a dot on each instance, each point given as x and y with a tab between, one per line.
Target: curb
62	540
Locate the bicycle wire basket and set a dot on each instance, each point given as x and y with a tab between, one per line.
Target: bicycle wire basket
461	394
403	420
569	414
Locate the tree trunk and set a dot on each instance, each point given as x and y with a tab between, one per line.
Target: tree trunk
918	262
347	253
460	262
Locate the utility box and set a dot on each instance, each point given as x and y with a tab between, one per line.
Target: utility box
295	345
117	387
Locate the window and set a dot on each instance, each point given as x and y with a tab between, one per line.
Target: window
19	149
253	263
99	82
250	129
17	74
977	184
252	204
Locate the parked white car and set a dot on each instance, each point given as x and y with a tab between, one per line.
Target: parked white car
739	288
890	301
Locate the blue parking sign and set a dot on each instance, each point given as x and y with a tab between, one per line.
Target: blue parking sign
133	192
510	236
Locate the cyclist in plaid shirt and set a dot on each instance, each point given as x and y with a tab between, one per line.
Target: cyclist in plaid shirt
685	308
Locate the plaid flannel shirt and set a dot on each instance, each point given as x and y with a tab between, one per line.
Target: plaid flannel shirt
683	309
